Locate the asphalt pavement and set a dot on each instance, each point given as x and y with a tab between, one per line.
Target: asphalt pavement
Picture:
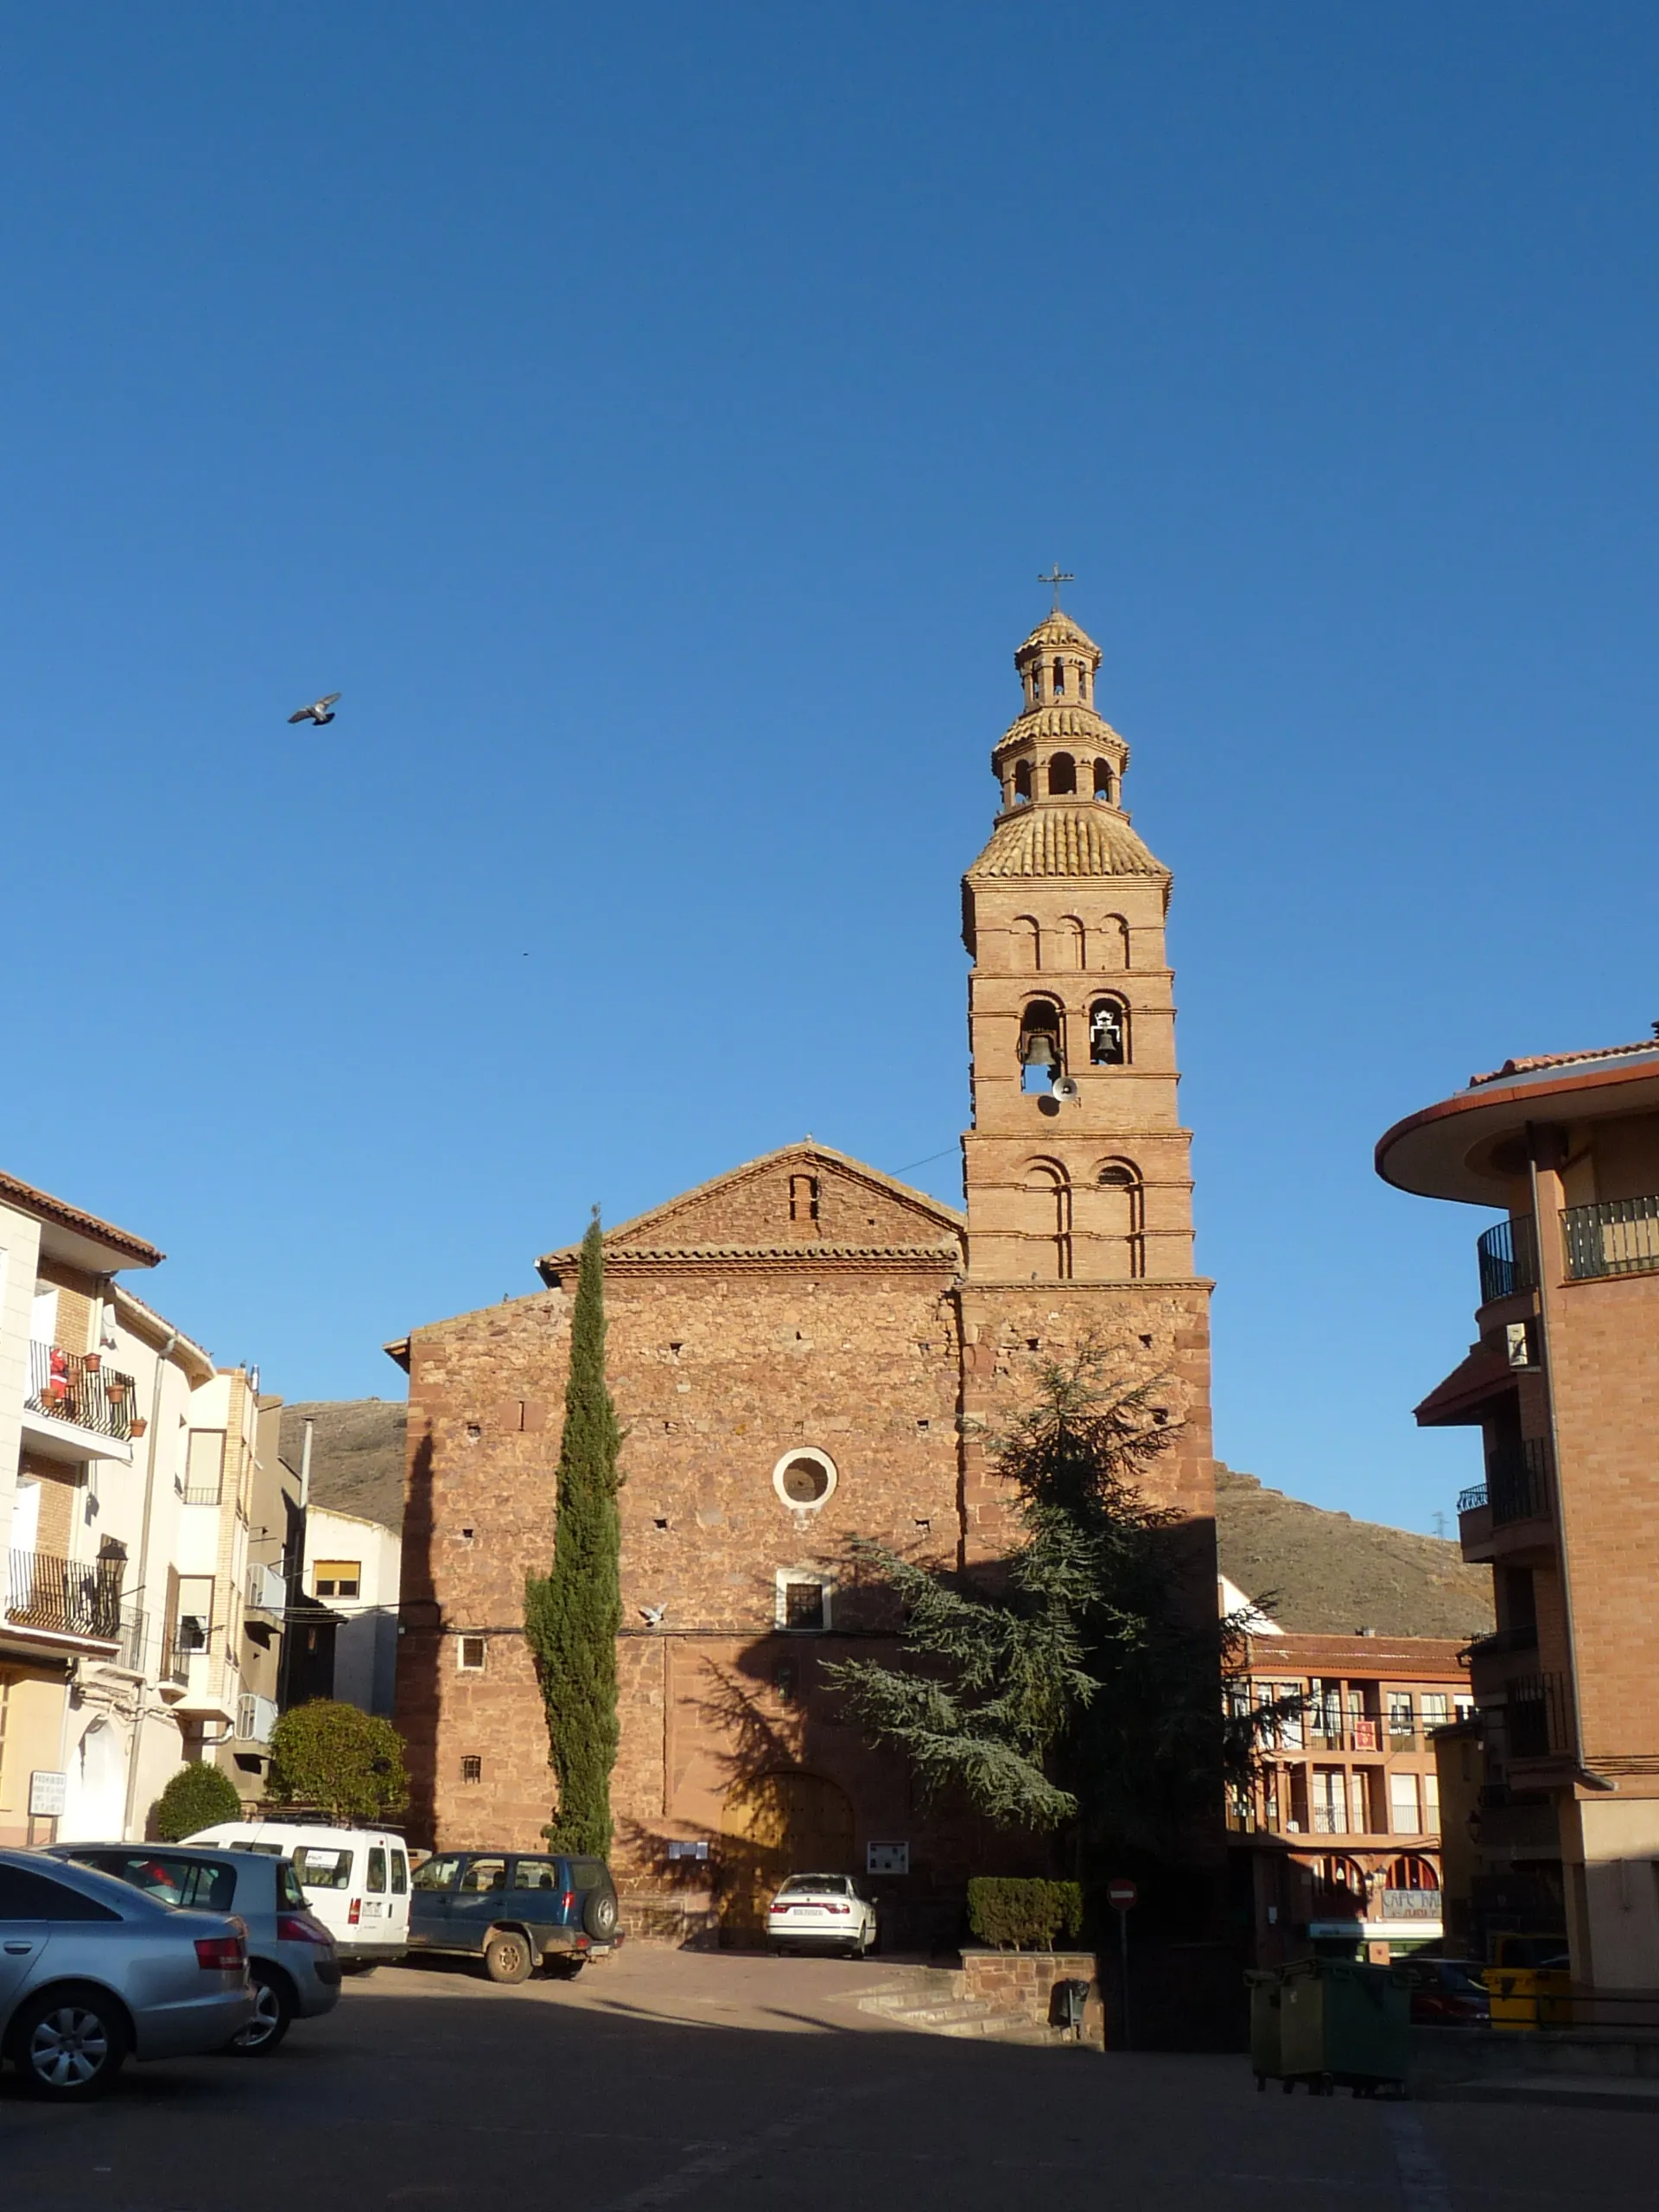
720	2083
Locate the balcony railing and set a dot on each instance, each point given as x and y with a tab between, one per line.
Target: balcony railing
1517	1481
1536	1717
1521	1636
1619	1237
134	1638
65	1597
77	1387
1508	1254
1473	1499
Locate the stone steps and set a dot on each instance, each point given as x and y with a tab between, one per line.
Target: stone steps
934	2001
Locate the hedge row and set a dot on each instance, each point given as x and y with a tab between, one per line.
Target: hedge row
1023	1914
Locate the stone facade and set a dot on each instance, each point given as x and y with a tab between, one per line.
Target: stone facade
804	1352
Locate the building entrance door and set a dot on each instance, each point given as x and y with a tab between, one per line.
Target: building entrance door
785	1823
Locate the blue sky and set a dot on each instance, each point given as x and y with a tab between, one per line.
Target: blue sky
653	420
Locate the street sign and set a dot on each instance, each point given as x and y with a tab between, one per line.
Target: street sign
1120	1893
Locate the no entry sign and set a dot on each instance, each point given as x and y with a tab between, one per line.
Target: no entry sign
1122	1893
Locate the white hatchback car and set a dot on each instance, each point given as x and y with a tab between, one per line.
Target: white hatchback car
822	1912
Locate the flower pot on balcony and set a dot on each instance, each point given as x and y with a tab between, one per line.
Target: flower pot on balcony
117	1387
93	1362
137	1427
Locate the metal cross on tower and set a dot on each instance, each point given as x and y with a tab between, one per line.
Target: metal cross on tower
1059	576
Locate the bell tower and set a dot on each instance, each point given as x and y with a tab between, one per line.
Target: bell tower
1077	1167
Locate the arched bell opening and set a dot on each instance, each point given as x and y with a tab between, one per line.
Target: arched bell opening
1105	783
1108	1034
1022	783
1062	776
1042	1046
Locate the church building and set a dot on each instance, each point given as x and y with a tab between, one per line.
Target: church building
805	1352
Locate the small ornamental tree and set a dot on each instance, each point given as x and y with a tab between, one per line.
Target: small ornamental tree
573	1615
198	1796
338	1760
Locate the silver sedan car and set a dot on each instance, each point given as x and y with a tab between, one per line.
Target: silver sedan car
292	1962
93	1973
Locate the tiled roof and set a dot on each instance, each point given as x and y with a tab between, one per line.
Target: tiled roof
1085	840
27	1199
1058	629
948	1251
1080	724
1539	1061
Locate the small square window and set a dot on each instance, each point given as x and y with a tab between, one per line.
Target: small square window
470	1654
337	1577
472	1767
803	1603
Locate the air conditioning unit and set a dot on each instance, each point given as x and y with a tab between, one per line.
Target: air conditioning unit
256	1717
267	1592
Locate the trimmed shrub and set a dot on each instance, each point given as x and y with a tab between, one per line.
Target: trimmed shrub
1017	1914
197	1796
339	1761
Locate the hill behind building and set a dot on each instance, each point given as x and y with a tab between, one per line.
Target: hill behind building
1324	1574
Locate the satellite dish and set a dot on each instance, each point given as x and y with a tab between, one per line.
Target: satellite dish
1064	1087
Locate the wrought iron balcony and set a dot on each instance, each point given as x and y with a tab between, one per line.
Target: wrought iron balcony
65	1597
1619	1237
1508	1253
73	1386
1536	1717
1517	1481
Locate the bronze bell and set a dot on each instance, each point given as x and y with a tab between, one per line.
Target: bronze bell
1038	1049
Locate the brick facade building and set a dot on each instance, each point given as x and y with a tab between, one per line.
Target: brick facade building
1562	1382
1338	1843
804	1351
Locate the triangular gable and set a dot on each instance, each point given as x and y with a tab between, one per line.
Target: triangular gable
758	1204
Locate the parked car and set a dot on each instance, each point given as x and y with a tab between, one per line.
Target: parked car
822	1912
356	1880
292	1962
93	1973
1530	1978
1445	1992
513	1908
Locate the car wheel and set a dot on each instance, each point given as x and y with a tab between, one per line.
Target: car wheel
508	1957
599	1915
69	2043
273	2014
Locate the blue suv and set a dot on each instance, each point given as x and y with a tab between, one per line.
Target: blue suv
513	1908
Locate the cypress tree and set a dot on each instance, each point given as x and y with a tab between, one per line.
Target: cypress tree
572	1615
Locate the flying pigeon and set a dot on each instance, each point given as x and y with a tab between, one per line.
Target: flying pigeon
652	1615
320	711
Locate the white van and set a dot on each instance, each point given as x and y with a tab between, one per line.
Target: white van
356	1880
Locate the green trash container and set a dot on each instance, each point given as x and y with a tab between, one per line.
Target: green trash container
1343	2025
1266	2049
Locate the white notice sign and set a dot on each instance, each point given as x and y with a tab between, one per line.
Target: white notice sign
886	1859
47	1793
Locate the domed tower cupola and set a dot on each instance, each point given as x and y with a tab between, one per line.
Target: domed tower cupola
1059	748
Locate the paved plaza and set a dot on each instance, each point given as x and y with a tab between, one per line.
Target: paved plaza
667	2078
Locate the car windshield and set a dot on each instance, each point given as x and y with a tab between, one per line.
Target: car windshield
322	1869
833	1885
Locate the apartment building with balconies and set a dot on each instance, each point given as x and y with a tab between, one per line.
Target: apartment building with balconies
1335	1845
1562	1384
140	1613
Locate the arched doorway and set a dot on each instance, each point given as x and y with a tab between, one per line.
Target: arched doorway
785	1822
